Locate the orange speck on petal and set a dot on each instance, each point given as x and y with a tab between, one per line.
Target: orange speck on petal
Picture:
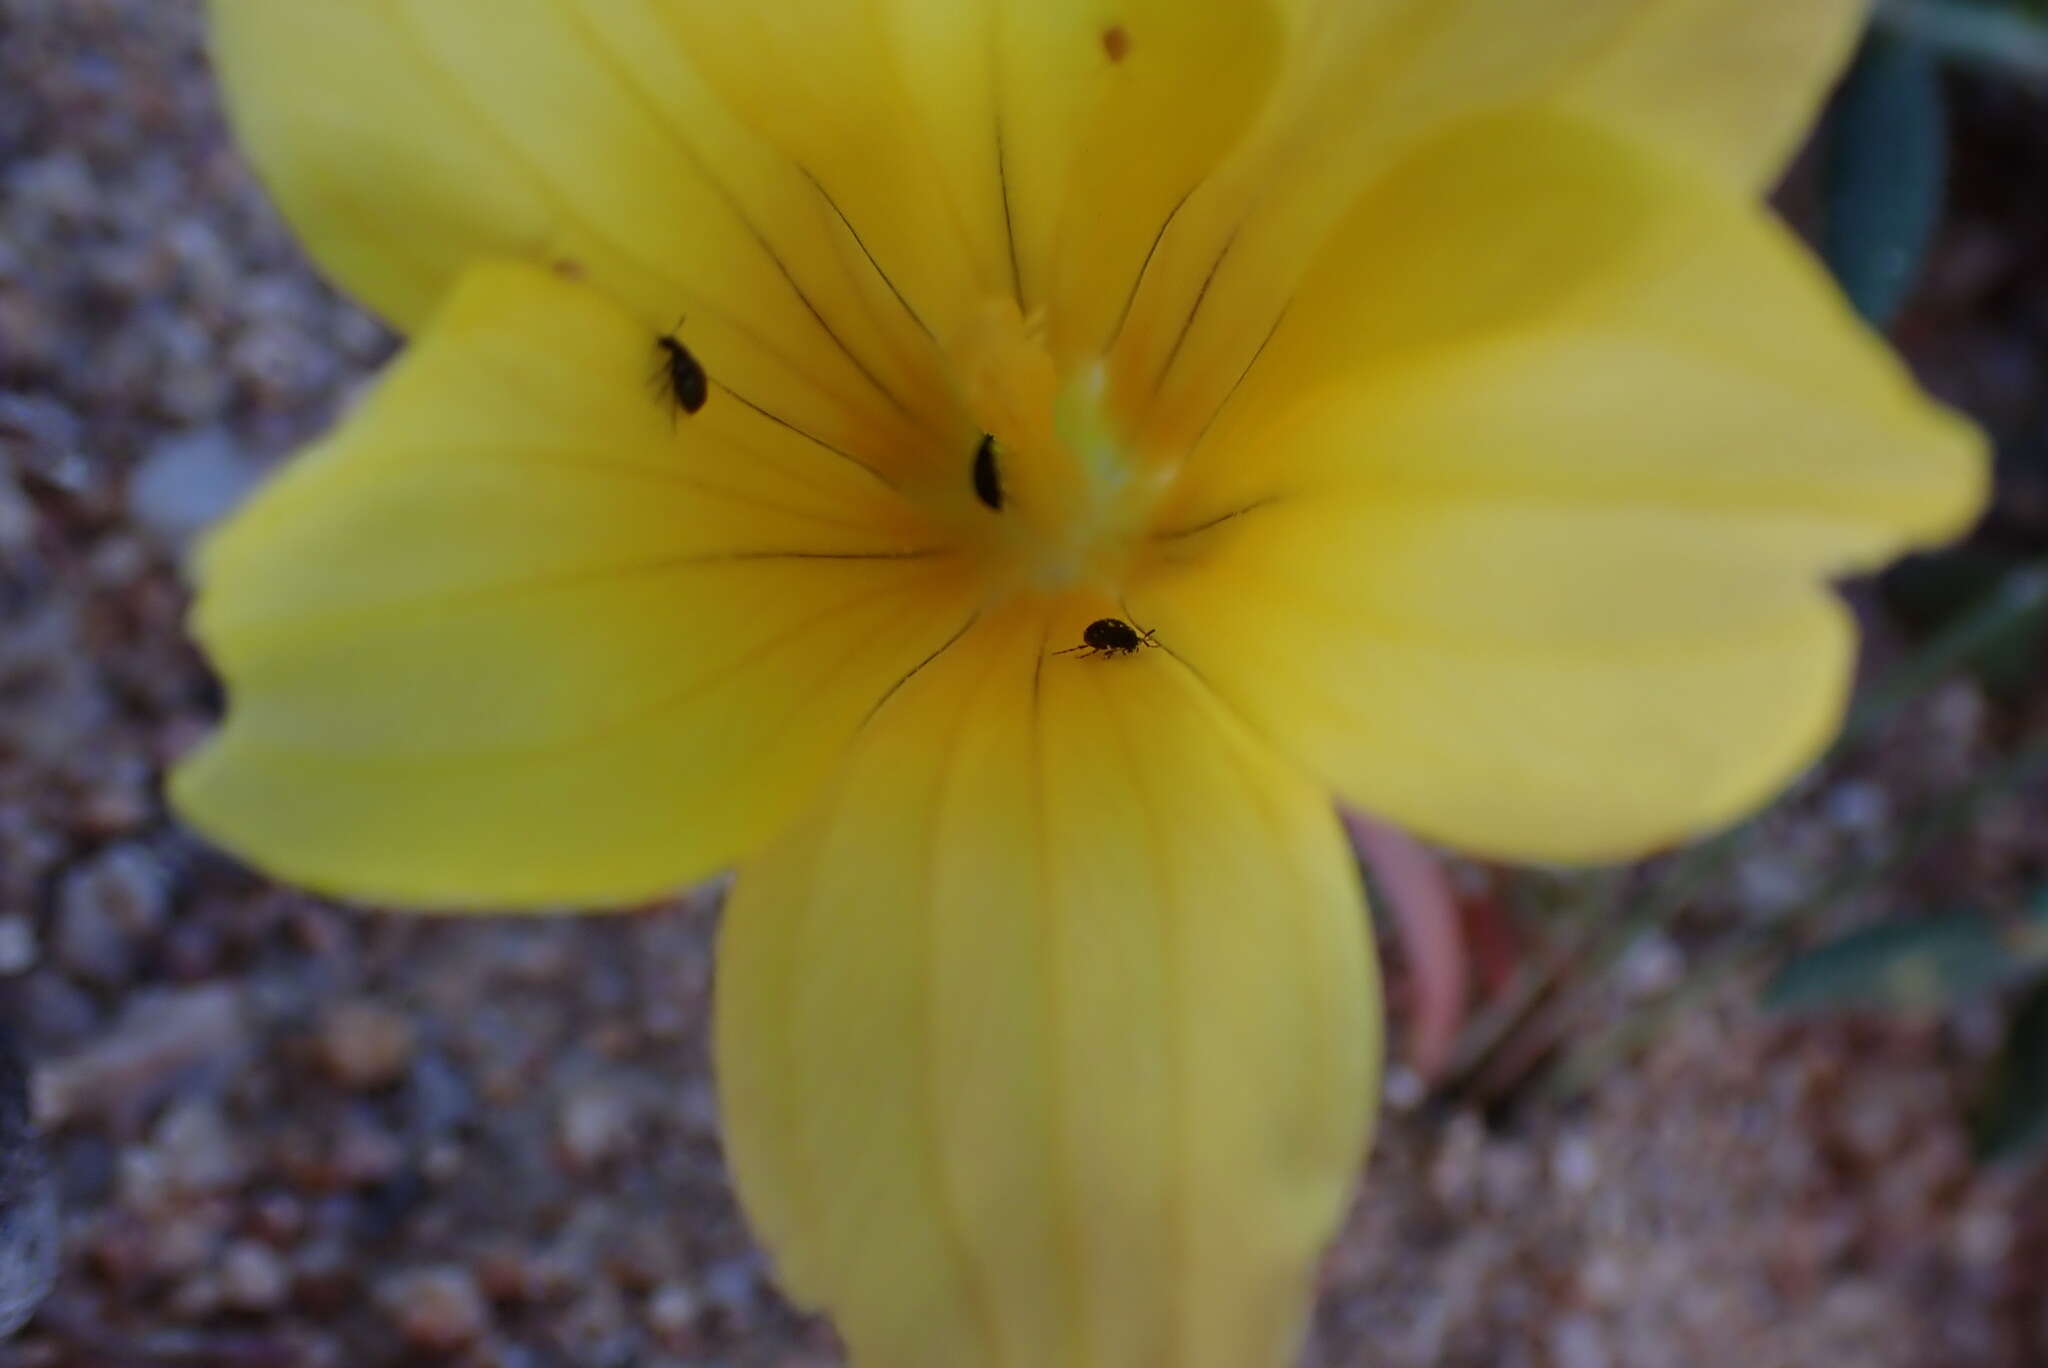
1116	41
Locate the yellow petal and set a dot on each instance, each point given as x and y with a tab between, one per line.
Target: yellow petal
1184	85
1520	680
1063	1054
1732	85
519	633
1724	84
1533	309
989	149
1518	530
406	139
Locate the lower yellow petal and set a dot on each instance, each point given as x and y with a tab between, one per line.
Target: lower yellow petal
1522	679
519	633
1049	1037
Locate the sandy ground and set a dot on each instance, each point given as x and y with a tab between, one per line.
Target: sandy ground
287	1133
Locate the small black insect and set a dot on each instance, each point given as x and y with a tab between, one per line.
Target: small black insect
1110	637
679	378
988	481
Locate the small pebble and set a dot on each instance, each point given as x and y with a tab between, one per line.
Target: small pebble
1858	805
1575	1165
1576	1342
1404	1089
106	909
187	1038
1984	1236
185	1242
442	1161
672	1311
364	1153
366	1044
326	1278
253	1277
278	1218
17	517
1604	1279
596	1124
197	1298
18	948
88	943
597	1328
438	1310
201	1152
734	1287
513	1275
1654	965
142	1182
188	482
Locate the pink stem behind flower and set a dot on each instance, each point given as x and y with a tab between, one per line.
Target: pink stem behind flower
1412	880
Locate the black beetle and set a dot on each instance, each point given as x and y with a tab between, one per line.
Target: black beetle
680	377
1110	637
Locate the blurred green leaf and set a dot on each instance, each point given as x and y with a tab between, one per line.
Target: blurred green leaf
2012	1119
2003	587
1883	159
1993	38
1918	965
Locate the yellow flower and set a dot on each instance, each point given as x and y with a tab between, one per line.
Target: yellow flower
1419	373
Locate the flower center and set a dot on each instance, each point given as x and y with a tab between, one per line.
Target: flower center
1072	498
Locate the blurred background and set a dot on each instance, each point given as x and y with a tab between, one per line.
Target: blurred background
1780	1099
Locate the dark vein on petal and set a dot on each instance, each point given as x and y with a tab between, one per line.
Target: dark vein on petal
655	708
811	437
1223	700
1216	521
914	670
1009	229
765	648
543	182
921	553
861	243
497	458
1231	393
994	29
1188	323
1038	670
630	82
1131	299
